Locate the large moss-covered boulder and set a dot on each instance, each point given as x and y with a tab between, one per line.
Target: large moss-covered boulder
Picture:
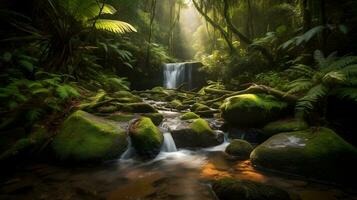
285	125
315	152
146	137
240	149
189	115
196	134
233	189
85	137
251	110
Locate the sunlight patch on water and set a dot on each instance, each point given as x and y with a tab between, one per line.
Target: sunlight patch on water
186	158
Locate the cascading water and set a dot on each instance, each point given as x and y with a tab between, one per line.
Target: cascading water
176	74
130	151
169	143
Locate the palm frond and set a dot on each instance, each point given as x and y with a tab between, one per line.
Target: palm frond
114	26
83	10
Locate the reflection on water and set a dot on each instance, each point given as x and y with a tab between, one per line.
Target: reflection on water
172	175
183	174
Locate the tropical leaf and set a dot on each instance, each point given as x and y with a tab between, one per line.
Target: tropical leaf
114	26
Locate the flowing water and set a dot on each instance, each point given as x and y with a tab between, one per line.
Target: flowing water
176	74
175	174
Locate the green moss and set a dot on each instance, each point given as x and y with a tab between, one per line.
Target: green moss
251	110
189	115
240	149
156	118
85	137
315	152
107	109
199	107
146	137
176	104
121	117
233	189
287	125
201	126
126	97
136	108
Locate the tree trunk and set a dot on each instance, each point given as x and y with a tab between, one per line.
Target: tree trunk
153	13
242	37
215	25
259	89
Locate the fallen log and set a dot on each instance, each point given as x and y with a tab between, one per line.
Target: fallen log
254	88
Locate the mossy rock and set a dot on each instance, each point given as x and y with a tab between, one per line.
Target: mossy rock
126	97
176	104
136	108
85	137
146	137
316	152
233	189
240	149
285	125
121	117
252	110
189	115
196	134
197	107
156	118
107	109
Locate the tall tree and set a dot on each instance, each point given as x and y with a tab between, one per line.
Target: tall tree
152	18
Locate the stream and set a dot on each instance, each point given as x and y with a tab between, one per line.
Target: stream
180	174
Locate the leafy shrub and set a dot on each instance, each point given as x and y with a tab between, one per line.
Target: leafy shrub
30	100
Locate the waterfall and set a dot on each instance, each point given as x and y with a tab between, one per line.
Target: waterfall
130	151
169	143
177	73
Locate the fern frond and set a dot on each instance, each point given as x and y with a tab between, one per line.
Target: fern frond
343	62
66	92
299	85
40	91
347	93
34	114
307	103
334	77
302	70
350	70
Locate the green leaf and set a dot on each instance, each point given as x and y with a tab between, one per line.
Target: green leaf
40	91
27	65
